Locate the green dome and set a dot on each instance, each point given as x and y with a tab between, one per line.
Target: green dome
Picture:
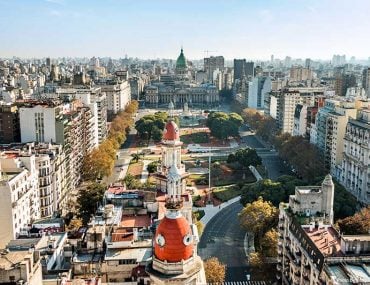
181	60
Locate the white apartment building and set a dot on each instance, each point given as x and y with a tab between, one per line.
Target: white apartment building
300	120
19	196
331	121
118	95
258	88
287	101
355	168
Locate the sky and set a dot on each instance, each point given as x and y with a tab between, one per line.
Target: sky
252	29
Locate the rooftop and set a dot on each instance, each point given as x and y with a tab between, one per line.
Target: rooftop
138	254
326	239
9	260
141	221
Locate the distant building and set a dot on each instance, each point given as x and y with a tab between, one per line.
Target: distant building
298	73
211	64
366	81
257	90
243	68
118	95
9	124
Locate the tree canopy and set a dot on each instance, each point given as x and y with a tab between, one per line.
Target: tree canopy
357	224
259	216
151	126
88	200
224	125
265	126
245	157
302	155
215	270
100	161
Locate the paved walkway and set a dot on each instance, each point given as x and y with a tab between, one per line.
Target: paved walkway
210	211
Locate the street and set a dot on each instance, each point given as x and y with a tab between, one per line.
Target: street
223	238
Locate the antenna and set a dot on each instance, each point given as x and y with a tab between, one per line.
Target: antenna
206	52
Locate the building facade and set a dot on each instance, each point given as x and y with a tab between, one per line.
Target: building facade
355	168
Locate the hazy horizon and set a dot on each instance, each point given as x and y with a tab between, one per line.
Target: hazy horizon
157	29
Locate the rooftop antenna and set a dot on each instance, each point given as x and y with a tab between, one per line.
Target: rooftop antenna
206	52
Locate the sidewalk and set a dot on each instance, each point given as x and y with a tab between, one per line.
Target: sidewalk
210	211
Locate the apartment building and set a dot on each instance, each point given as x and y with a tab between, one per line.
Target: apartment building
310	250
355	168
287	100
118	95
20	267
19	196
331	121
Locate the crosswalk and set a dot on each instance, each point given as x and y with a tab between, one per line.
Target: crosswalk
242	283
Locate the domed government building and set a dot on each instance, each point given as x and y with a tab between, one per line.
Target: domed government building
179	87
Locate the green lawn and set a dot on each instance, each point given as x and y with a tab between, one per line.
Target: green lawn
197	138
225	193
199	214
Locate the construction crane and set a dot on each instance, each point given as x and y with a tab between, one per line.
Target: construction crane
206	52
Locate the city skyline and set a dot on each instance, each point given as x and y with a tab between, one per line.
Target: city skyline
157	29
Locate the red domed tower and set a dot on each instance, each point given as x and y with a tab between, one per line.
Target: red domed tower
175	259
171	155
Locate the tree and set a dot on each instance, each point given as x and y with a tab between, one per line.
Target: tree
215	270
216	171
152	167
131	182
245	157
357	224
256	260
269	243
135	157
88	200
157	134
258	217
151	126
224	125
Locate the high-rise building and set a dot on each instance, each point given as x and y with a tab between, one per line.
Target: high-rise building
366	81
243	68
9	124
257	90
211	64
343	81
118	95
355	168
298	73
288	99
331	121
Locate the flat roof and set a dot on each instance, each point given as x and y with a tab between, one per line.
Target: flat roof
141	221
326	239
10	259
139	254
